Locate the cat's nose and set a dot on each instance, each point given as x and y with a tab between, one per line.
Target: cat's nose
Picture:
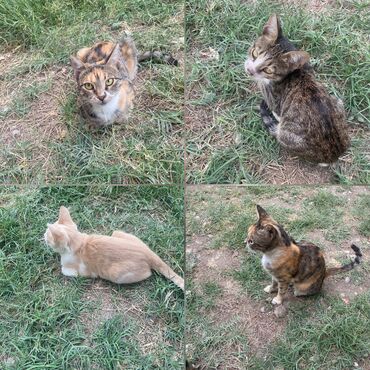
249	68
102	97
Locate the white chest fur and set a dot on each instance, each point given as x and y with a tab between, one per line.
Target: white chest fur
266	262
71	266
107	111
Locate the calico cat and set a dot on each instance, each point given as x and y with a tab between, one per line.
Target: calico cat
300	264
296	110
105	73
121	258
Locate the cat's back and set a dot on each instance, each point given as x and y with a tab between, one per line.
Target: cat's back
309	110
311	258
97	54
115	246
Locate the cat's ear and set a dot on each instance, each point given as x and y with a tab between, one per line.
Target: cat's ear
64	216
272	29
77	66
60	237
261	213
129	54
295	59
123	57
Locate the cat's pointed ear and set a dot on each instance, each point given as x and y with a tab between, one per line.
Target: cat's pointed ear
272	29
261	213
64	216
124	58
129	54
77	66
295	59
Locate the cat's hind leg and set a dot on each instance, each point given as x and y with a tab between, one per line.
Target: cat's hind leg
313	286
133	275
269	120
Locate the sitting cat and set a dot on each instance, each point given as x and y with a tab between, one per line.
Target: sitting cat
104	75
121	258
300	264
296	110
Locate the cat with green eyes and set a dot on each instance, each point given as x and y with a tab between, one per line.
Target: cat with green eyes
104	75
296	109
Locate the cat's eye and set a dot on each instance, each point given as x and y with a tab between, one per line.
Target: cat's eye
254	53
88	86
269	70
109	82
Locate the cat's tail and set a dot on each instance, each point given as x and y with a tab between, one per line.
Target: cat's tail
158	56
161	267
347	267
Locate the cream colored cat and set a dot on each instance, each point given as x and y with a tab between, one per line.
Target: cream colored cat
121	258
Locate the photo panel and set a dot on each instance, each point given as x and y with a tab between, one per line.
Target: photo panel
51	318
231	319
309	69
73	111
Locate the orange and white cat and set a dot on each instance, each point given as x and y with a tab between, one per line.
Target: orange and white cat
121	258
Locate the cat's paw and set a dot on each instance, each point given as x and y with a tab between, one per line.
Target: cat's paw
67	271
268	289
277	300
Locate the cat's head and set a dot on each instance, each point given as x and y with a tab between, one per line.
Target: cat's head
266	234
58	234
272	56
100	80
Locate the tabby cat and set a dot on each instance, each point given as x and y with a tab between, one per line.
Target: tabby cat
121	258
298	263
105	73
296	110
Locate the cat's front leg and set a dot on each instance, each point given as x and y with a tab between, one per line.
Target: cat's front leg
268	118
271	288
282	289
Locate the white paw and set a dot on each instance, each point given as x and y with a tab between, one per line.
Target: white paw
66	271
277	300
268	289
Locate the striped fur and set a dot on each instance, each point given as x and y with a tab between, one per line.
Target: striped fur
308	121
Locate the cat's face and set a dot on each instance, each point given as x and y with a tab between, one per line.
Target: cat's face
266	234
100	81
99	85
272	57
57	235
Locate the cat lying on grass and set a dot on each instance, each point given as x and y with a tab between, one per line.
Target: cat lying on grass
121	258
296	109
301	264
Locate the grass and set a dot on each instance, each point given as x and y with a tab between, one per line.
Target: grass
226	142
49	321
44	140
326	331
